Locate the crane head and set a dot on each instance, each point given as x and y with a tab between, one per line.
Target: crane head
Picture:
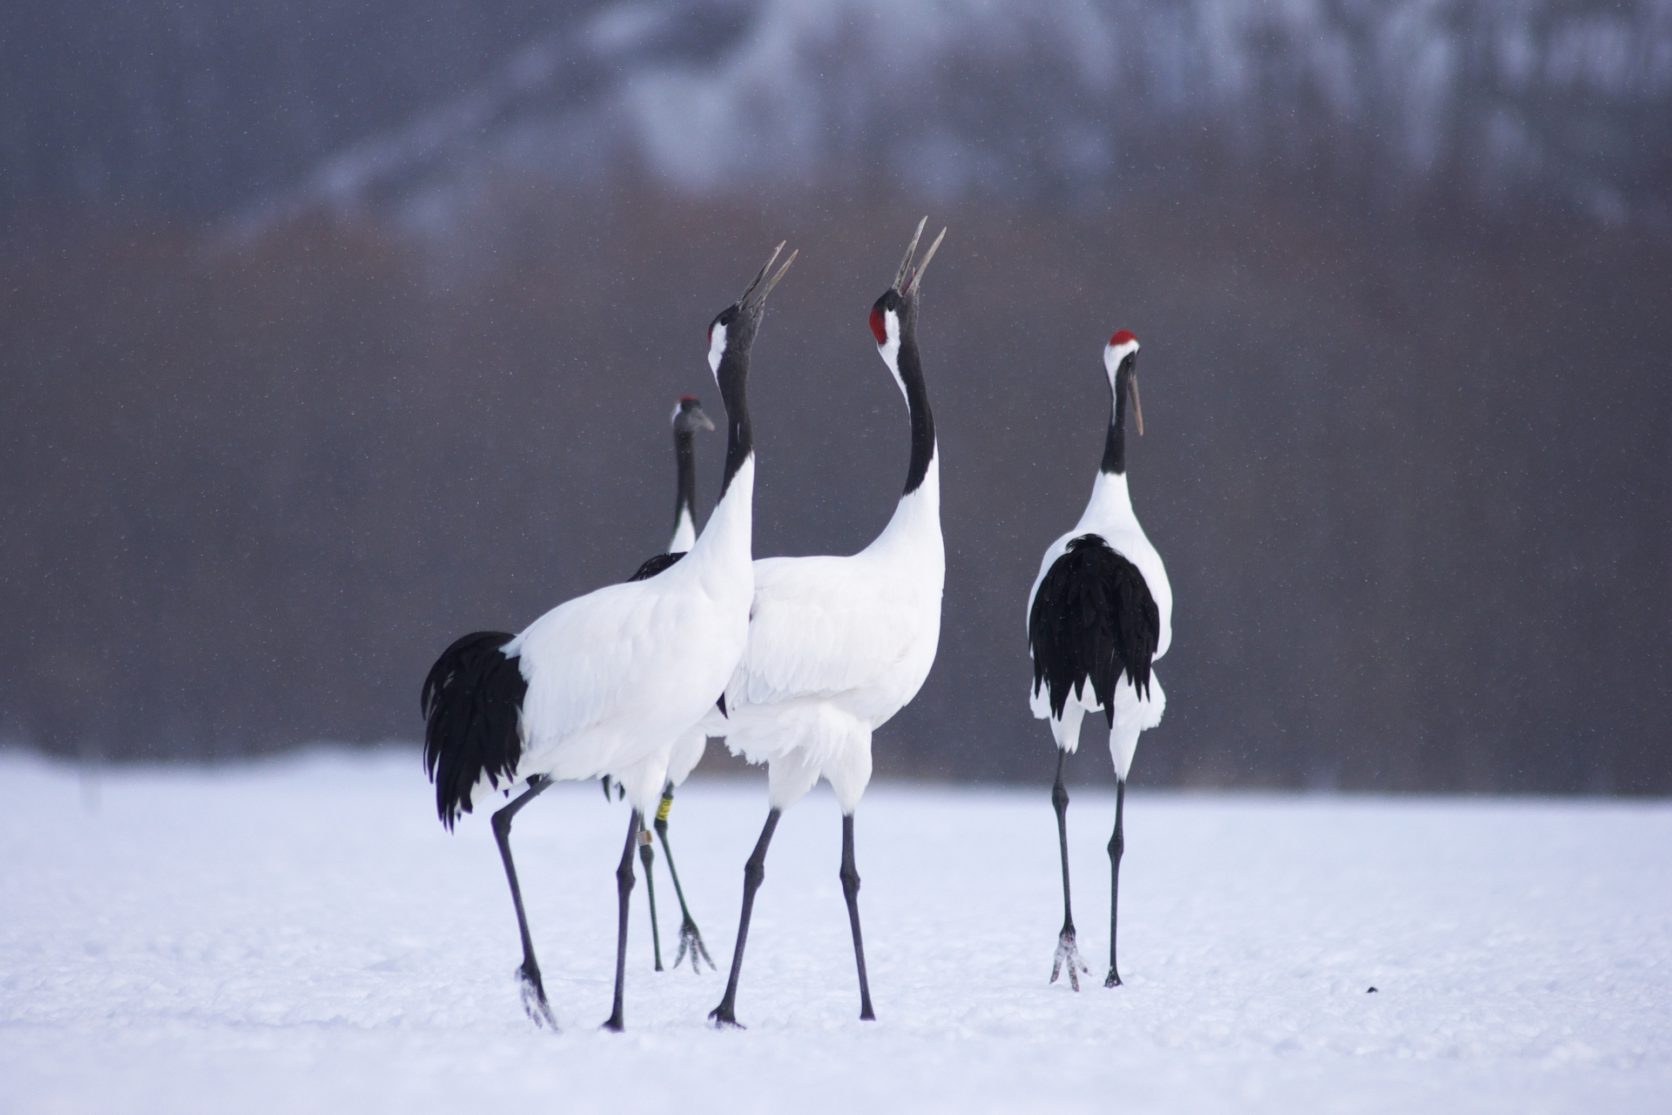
896	310
688	416
733	328
1120	361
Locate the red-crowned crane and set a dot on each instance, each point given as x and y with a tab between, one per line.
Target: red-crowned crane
1100	612
838	645
604	684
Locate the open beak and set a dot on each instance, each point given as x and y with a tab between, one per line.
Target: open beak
754	298
909	278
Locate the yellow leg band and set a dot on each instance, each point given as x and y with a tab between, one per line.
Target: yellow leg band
662	810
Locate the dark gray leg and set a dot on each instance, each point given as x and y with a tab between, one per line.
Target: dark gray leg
1117	848
753	872
528	976
850	891
647	856
689	939
624	891
1067	952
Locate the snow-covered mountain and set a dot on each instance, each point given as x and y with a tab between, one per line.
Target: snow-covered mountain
1067	100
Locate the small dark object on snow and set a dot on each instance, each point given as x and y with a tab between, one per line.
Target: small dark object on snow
1370	991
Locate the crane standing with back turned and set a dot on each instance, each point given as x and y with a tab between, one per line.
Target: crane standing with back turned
1100	612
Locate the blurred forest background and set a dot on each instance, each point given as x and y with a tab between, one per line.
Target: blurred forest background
329	332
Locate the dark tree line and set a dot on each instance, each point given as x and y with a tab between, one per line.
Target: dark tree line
1408	469
1405	362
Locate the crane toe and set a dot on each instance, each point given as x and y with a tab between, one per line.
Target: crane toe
534	997
690	941
724	1019
1068	955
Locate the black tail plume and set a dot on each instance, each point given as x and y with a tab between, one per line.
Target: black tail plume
1093	618
472	704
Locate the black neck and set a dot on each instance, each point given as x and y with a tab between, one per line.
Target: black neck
922	419
686	457
733	376
1114	446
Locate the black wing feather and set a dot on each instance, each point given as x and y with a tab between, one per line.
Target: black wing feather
1092	619
655	565
472	704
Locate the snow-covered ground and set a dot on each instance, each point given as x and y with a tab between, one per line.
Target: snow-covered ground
302	935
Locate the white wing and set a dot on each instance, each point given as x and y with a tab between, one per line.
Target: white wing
613	654
822	627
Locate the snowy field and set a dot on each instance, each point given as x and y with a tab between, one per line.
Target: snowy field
302	935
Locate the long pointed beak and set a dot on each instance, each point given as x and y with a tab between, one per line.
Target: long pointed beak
700	417
761	274
915	279
1137	407
755	296
899	285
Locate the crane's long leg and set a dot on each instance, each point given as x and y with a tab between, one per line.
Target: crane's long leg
1117	848
1067	952
528	976
647	856
690	940
624	891
753	872
850	891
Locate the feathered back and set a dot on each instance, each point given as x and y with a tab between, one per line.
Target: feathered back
472	704
1092	619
